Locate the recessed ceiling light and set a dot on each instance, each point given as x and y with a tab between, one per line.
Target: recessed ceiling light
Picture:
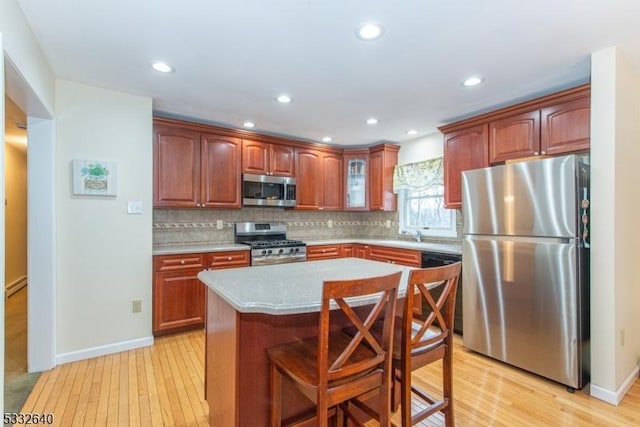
162	67
370	31
326	139
472	81
372	121
412	132
284	99
249	124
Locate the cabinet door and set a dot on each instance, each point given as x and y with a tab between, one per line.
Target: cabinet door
356	177
221	171
176	167
255	157
308	179
347	250
282	160
382	161
362	251
332	183
463	150
178	301
566	127
514	137
228	259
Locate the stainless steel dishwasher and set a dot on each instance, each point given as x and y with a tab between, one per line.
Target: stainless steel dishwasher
436	259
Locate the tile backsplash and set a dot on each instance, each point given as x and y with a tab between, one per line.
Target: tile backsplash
188	226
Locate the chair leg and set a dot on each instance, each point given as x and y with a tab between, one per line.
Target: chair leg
405	394
275	393
447	386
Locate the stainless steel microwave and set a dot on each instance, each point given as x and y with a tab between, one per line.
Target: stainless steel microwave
268	190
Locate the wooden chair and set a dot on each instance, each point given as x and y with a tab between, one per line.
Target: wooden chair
426	337
334	367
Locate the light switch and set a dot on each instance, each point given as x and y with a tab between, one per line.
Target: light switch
134	207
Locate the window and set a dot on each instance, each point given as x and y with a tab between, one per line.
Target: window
421	199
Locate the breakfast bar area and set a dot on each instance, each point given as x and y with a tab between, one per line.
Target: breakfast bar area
254	308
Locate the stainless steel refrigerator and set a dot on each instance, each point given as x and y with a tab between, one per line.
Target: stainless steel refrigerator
525	253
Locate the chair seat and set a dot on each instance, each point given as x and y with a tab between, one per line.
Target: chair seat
299	359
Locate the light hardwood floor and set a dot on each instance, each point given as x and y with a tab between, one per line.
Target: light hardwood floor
163	385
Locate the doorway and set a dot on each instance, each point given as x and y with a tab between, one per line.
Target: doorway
18	382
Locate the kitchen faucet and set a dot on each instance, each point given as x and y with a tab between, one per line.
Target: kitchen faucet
417	234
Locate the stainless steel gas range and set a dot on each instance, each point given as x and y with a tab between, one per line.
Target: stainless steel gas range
269	243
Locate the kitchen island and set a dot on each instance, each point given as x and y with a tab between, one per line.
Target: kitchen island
251	309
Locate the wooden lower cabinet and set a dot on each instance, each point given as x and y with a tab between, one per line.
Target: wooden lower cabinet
410	257
323	252
179	297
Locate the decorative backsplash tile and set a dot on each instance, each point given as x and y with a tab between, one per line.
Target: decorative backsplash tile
182	226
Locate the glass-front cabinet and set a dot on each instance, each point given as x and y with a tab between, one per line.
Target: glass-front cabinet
356	180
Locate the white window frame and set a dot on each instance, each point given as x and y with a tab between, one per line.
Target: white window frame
440	232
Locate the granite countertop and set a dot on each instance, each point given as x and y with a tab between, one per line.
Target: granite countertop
194	248
295	287
175	249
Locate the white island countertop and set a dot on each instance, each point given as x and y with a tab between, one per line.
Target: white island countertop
292	288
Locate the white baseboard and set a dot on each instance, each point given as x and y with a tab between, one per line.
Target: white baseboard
615	397
14	287
102	350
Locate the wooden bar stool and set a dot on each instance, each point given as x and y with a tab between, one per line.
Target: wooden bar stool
334	367
426	337
422	336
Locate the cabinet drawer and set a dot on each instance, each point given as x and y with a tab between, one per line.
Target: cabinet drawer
323	252
395	256
178	262
228	259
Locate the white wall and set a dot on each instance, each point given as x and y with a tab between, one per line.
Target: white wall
615	278
423	148
104	255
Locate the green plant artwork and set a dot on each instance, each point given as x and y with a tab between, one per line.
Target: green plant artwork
94	178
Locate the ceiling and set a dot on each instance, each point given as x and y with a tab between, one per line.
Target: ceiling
232	58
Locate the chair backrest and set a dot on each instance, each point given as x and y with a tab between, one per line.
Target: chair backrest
428	320
342	364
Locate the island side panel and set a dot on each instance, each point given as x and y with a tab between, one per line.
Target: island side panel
221	367
258	332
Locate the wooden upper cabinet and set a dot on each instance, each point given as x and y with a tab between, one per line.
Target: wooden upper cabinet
566	127
195	169
382	160
319	180
176	167
221	176
463	150
514	137
356	180
332	186
267	159
308	178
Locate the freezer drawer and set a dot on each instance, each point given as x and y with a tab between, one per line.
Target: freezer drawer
521	304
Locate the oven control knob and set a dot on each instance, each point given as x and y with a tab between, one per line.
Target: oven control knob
269	251
291	250
263	252
297	249
280	251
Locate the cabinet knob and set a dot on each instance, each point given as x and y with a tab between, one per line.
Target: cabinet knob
543	152
321	208
229	259
535	153
324	250
182	262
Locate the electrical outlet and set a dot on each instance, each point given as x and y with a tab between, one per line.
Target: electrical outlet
136	305
330	223
219	224
388	223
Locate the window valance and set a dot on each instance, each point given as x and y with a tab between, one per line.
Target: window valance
418	176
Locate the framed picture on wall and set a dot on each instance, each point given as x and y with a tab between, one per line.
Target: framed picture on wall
95	178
